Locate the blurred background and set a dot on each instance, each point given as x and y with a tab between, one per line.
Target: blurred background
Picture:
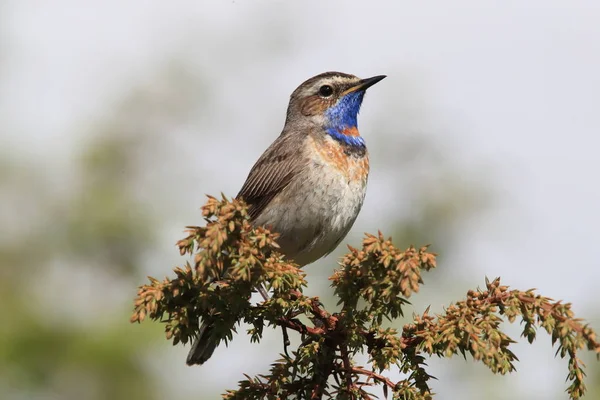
116	118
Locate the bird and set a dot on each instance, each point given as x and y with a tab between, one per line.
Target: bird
310	184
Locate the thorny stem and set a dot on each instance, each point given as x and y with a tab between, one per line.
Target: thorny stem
347	366
327	326
499	295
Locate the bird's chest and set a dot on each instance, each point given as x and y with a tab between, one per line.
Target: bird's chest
343	171
337	186
334	185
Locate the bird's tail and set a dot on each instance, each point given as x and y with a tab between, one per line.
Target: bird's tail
203	346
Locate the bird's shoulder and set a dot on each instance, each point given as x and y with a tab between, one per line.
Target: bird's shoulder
277	167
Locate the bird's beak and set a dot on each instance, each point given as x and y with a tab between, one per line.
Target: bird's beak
364	84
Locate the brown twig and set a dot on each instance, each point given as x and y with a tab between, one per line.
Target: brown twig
298	326
573	323
374	376
327	322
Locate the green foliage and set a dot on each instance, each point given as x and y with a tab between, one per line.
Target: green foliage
373	284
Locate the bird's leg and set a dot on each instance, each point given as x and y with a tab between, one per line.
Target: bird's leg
263	292
286	341
286	338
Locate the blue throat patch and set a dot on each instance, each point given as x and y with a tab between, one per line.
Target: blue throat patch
344	115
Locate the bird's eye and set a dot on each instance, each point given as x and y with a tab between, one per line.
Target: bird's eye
325	91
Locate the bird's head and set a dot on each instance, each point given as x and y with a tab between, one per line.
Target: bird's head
332	101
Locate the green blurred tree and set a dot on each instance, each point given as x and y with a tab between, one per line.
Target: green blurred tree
86	236
68	243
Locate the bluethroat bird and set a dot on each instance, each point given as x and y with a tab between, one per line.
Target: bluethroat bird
309	185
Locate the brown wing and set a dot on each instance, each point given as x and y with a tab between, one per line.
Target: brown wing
273	171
